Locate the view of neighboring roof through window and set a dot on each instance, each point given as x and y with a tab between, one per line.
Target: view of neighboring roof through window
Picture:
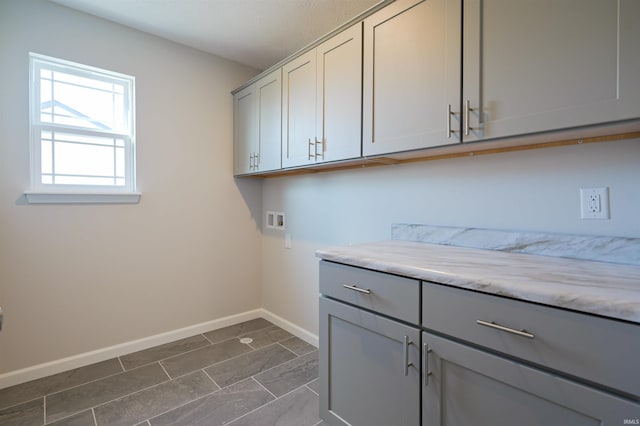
82	133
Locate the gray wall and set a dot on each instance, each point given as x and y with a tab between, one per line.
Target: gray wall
76	278
530	190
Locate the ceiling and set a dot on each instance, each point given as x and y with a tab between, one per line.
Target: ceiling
257	33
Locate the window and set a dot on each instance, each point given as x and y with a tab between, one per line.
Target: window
82	133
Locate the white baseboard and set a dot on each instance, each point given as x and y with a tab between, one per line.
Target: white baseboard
297	331
46	369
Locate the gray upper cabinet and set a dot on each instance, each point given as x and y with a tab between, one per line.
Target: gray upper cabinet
257	137
299	110
467	386
417	74
245	145
339	97
322	95
437	73
411	76
532	66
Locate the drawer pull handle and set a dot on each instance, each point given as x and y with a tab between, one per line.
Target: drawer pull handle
358	289
407	364
425	363
523	333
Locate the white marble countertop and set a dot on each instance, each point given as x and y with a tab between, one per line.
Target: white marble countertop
607	289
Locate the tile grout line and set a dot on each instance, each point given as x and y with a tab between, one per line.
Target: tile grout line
211	378
208	366
164	359
237	336
291	360
174	356
257	408
260	372
222	388
183	404
268	403
21	402
235	357
206	338
66	389
263	387
165	370
296	337
297	356
307	385
44	409
248	377
95	380
93	407
211	343
95	420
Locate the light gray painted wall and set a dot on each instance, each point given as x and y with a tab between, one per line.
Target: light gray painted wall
77	278
530	190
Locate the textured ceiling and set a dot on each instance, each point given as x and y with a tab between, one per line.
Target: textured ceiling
257	33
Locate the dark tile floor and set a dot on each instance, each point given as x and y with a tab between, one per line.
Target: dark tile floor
209	379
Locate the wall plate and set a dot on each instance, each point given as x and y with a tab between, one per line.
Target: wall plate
594	203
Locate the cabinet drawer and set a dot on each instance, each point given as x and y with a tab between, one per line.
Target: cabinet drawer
596	349
387	294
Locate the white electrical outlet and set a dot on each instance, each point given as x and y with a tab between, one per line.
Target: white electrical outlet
594	203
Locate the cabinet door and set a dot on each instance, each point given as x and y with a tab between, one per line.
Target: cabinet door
468	386
269	113
531	66
245	130
339	83
299	110
365	378
411	76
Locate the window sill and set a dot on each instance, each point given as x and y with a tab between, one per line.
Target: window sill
82	198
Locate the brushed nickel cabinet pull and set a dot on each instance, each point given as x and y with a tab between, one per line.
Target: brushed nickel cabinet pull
309	150
523	333
425	363
407	364
467	109
322	143
1	317
358	289
449	113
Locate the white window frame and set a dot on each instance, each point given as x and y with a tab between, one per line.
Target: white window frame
65	193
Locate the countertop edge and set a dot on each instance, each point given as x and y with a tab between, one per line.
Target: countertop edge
568	297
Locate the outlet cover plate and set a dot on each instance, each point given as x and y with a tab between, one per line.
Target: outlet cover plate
594	203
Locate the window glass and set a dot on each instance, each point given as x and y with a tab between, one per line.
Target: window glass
82	126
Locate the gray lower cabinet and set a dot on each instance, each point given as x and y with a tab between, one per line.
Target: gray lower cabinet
468	386
369	368
477	359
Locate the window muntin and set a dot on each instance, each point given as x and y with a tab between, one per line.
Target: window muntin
82	130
